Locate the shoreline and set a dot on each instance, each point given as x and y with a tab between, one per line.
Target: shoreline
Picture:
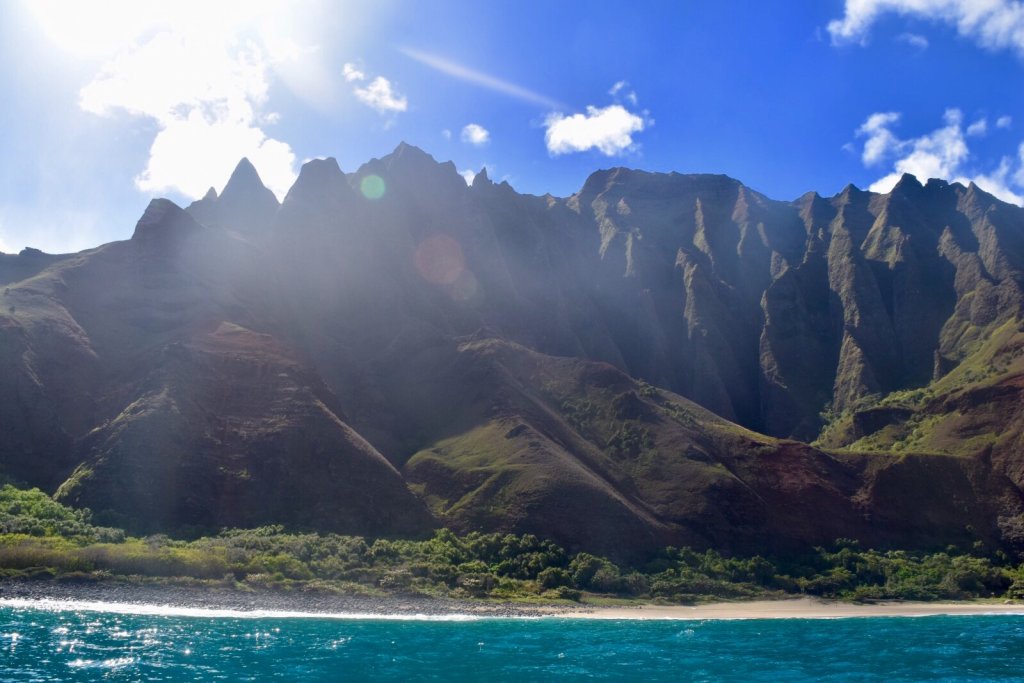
242	603
799	608
232	603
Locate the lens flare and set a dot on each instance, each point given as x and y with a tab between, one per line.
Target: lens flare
439	260
465	288
372	186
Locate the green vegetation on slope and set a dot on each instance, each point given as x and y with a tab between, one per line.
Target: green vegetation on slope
933	418
40	538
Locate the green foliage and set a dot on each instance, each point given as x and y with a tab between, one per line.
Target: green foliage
34	513
580	413
646	390
43	538
630	441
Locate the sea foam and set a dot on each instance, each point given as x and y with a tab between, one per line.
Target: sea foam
141	609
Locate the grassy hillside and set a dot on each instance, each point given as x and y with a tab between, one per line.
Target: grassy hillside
970	410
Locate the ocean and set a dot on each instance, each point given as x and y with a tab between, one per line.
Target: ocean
86	643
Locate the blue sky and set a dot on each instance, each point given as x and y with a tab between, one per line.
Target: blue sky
109	104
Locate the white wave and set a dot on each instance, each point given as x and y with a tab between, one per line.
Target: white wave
55	605
115	663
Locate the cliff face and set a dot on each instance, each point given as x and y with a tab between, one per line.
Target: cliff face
788	310
390	350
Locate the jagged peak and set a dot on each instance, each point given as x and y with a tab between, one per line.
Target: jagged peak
244	171
327	165
245	182
810	202
408	159
200	208
163	220
605	178
411	167
977	192
319	177
981	195
405	152
908	182
31	252
481	179
848	194
599	181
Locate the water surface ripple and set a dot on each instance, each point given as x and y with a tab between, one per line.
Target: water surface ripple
85	645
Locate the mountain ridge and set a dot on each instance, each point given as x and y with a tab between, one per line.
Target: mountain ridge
465	355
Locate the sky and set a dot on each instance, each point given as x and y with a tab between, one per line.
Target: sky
106	105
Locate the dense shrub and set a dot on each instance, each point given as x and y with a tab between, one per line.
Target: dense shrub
39	537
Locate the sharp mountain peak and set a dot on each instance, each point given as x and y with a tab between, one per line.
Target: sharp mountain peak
319	178
245	184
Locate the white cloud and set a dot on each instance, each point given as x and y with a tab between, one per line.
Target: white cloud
1004	122
4	247
609	130
992	24
998	182
382	97
468	176
176	148
380	94
915	40
619	87
352	73
446	134
880	140
942	153
979	127
205	84
476	135
1019	175
938	154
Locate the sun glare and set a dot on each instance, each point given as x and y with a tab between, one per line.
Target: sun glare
92	29
98	29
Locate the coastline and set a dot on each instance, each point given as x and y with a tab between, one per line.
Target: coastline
798	608
242	603
218	602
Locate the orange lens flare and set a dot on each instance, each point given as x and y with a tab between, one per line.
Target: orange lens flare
439	260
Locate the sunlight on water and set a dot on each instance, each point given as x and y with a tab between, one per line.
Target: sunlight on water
49	605
85	641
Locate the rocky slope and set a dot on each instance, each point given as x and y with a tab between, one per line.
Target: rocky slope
633	366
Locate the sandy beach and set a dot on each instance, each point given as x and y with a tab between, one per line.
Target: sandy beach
796	608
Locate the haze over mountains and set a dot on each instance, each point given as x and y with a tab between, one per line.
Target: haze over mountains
643	363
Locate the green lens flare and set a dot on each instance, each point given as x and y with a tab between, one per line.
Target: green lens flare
372	187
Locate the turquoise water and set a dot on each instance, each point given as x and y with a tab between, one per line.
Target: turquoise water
85	645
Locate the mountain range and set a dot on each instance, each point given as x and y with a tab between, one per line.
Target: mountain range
659	359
